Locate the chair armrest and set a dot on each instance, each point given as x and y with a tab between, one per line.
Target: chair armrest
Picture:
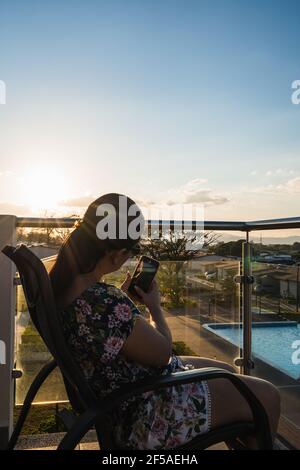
116	398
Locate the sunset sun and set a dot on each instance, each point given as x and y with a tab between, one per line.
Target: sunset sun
43	189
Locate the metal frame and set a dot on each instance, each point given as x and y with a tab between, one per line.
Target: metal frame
272	224
259	429
7	329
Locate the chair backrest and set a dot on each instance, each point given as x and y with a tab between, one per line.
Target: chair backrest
46	318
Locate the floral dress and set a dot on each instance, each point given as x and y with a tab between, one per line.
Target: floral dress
96	325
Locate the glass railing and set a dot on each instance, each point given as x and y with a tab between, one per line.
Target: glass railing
276	338
212	312
199	296
194	302
31	356
194	305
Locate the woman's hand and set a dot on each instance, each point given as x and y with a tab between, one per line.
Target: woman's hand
151	298
124	287
126	284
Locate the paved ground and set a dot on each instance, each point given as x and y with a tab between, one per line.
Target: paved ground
189	330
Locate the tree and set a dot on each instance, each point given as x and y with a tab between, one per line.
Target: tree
176	246
63	233
232	248
47	235
229	289
175	249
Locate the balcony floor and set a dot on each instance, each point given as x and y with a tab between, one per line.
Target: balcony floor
50	442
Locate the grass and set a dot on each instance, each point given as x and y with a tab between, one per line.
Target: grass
41	419
181	349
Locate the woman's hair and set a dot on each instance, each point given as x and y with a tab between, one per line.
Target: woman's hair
83	248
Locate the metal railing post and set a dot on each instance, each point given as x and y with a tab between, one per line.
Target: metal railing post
247	307
239	361
7	329
245	279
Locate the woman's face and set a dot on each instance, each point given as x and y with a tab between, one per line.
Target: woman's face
114	260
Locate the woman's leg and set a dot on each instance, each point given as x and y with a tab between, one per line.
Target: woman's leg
237	409
200	362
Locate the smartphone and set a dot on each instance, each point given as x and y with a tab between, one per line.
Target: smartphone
143	275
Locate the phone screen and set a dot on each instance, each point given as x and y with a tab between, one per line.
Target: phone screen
144	274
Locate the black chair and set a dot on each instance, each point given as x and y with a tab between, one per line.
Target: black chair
92	412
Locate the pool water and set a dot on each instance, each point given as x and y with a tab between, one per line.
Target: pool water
276	343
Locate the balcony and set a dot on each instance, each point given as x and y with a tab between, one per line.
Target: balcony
243	310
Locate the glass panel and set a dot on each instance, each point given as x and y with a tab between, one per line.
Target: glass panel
201	304
276	338
31	356
200	301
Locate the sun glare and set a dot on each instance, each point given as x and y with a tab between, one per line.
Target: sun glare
44	189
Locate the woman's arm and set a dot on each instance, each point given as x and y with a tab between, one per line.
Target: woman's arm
158	321
149	344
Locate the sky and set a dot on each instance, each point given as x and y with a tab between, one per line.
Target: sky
166	101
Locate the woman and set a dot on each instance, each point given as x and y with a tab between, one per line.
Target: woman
114	344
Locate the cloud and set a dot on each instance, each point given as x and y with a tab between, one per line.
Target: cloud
14	209
6	173
280	172
192	192
291	186
81	201
194	184
84	201
206	197
195	192
145	202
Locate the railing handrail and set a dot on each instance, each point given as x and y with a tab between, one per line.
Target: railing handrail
268	224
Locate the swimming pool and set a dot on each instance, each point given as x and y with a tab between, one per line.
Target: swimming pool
276	343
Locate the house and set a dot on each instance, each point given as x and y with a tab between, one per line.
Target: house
276	258
284	281
220	265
